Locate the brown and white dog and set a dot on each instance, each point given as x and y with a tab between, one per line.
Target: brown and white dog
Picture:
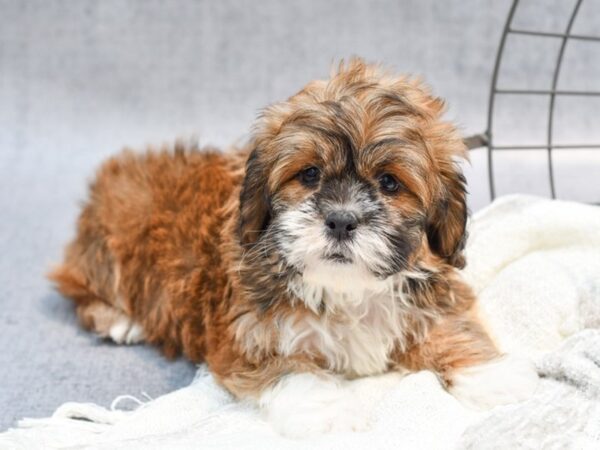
325	250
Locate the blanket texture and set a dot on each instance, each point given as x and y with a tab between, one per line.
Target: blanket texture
564	413
535	265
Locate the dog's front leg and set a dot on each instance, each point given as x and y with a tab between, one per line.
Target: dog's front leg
296	396
461	353
305	404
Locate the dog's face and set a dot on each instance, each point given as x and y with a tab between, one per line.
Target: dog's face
353	178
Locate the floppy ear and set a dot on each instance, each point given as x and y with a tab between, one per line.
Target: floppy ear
446	230
255	208
446	226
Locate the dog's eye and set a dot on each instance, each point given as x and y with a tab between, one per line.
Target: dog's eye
389	184
310	176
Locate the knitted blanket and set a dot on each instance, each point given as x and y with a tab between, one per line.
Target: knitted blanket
535	265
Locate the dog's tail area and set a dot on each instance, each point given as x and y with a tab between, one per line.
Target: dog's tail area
95	311
71	283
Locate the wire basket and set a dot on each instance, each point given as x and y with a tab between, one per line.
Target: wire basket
488	140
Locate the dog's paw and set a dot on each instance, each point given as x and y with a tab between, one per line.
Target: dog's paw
109	322
304	405
125	331
502	381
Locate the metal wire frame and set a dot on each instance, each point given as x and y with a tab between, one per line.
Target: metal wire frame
487	139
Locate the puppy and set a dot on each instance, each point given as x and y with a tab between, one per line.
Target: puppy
326	249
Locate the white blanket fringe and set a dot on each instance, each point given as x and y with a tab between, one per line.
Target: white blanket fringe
535	265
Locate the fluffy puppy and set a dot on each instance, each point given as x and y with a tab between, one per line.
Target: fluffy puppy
326	249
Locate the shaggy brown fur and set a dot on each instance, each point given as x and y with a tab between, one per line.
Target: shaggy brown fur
172	238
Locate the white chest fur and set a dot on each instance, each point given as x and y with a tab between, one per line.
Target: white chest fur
355	330
358	343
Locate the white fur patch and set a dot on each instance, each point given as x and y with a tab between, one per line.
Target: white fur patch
303	405
125	331
505	380
355	333
357	341
360	326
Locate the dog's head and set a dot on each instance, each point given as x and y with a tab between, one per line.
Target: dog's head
352	177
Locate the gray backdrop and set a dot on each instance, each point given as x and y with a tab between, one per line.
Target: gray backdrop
81	79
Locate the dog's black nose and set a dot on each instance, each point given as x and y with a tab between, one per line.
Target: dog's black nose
341	224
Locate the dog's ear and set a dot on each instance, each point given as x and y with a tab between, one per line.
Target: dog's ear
255	208
446	229
447	219
255	198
